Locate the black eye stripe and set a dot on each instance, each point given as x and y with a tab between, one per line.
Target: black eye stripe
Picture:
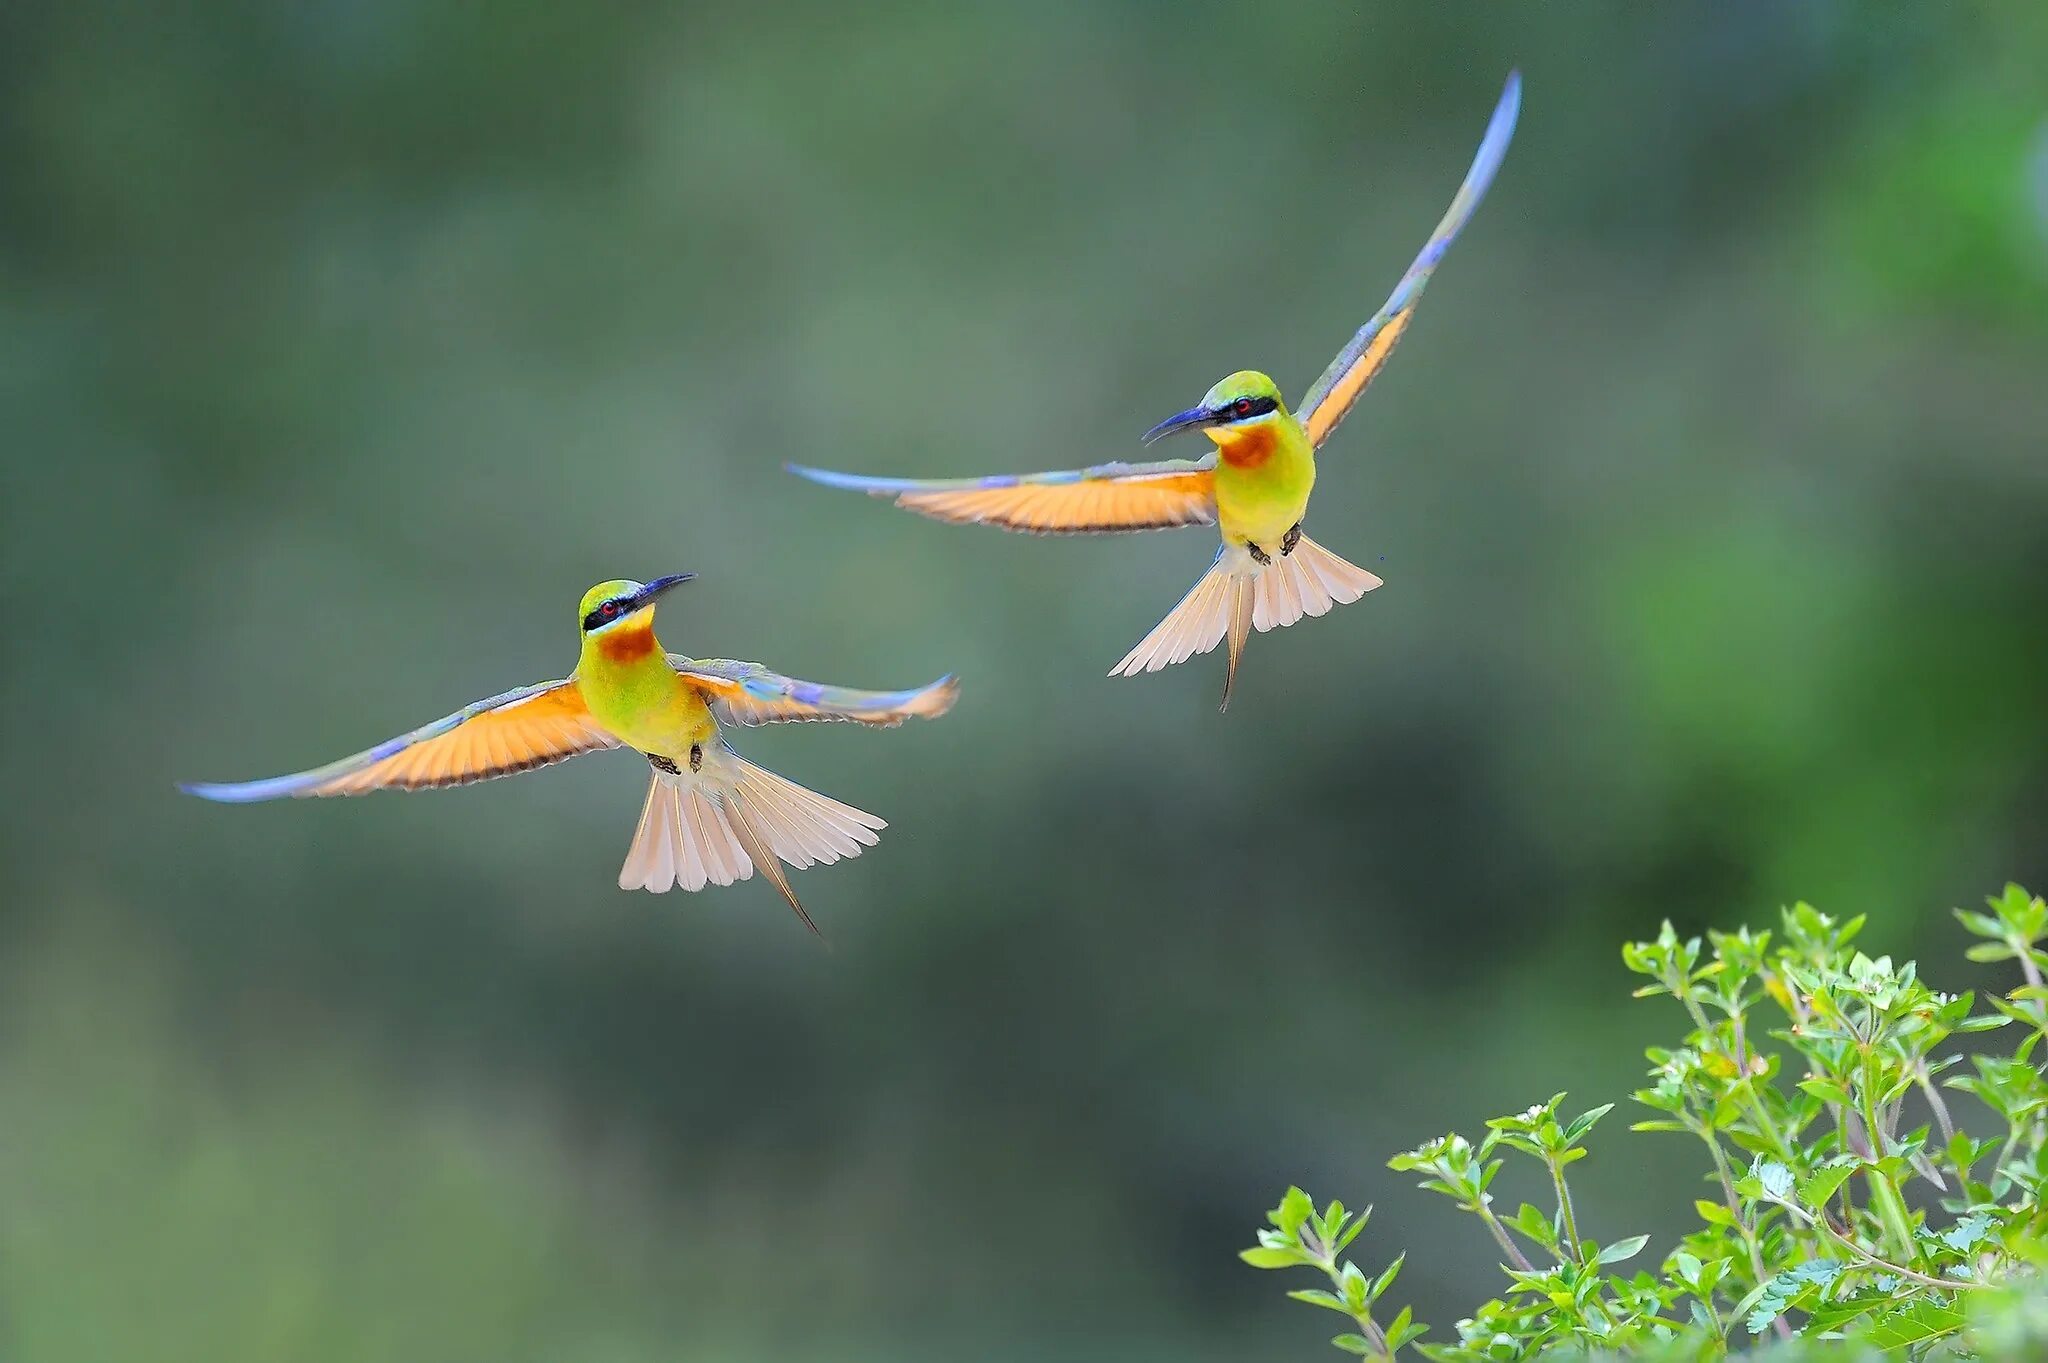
618	606
1257	407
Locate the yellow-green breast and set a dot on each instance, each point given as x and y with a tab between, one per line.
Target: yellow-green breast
1263	479
630	688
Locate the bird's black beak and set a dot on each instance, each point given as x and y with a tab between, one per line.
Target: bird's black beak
1189	420
654	589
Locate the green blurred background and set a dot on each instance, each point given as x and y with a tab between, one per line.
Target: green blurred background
343	344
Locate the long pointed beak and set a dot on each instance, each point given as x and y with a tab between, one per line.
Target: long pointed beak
1189	420
656	588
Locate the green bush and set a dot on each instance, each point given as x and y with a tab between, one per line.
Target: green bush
1852	1214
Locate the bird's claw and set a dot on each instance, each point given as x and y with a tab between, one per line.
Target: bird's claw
1292	538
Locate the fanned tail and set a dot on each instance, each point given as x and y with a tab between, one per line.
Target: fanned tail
1219	604
1239	594
1306	582
718	824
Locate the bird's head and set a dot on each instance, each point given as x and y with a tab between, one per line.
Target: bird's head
1246	398
609	605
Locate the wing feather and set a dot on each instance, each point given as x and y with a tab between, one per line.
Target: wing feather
749	694
1105	499
1333	395
517	731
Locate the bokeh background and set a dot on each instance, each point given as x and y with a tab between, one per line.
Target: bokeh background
342	345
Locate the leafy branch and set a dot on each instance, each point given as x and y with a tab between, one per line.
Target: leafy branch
1854	1212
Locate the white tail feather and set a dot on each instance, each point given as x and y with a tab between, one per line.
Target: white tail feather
1201	619
1306	582
1239	594
718	824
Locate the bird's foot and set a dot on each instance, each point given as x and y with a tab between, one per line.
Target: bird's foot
1259	556
1290	539
663	764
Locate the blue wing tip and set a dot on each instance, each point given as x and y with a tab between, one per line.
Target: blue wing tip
831	478
240	792
1510	107
212	790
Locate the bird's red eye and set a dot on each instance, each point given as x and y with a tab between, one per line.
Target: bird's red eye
1244	406
611	608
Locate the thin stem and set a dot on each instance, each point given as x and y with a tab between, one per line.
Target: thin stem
1564	1207
1371	1329
1946	1284
1741	1044
1500	1234
1873	1132
1822	1224
1756	1106
1756	1258
1770	1128
1326	1259
1891	1210
2023	950
1799	1013
1884	1193
1934	1100
2005	1152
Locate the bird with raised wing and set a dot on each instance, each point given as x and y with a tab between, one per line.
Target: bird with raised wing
711	816
1254	486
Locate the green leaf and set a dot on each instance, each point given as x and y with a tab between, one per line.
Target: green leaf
1295	1208
1815	1192
1583	1123
1827	1090
1354	1285
1966	1233
1315	1296
1838	1314
1354	1344
1270	1257
1331	1221
1983	924
1919	1321
1714	1214
1766	1179
1777	1295
1386	1279
1622	1250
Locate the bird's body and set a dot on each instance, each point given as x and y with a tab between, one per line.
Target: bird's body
635	692
711	816
1265	471
1254	487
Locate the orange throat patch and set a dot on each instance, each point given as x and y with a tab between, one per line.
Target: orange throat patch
1249	447
626	644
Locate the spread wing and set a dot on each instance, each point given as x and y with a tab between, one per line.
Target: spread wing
518	731
749	694
1106	499
1333	394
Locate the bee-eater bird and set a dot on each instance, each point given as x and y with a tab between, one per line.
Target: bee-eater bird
711	817
1254	486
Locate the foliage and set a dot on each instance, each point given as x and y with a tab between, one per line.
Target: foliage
1851	1213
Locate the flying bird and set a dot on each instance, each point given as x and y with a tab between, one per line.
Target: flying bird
711	817
1254	486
